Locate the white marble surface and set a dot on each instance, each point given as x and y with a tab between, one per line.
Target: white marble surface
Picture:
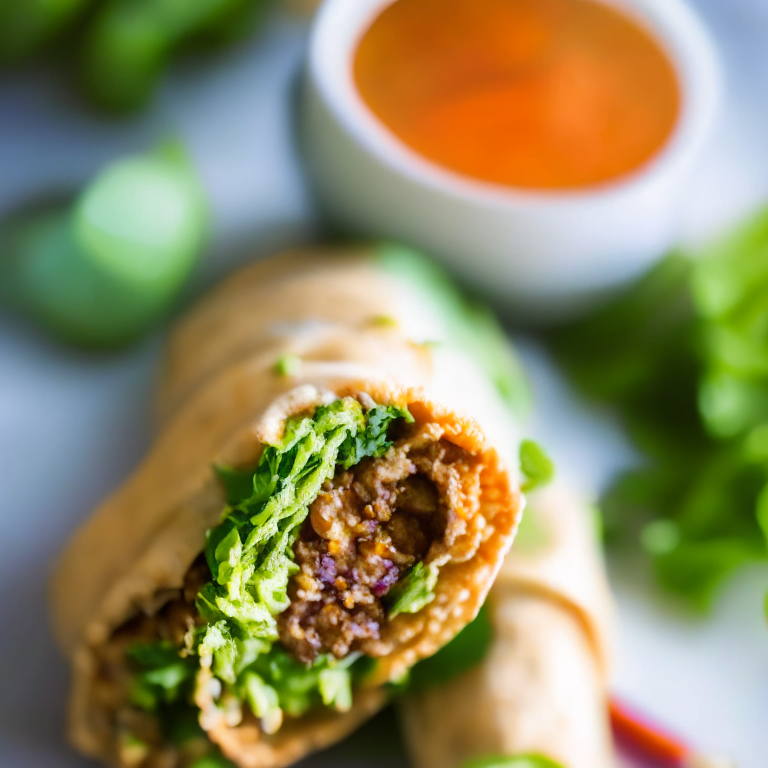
72	426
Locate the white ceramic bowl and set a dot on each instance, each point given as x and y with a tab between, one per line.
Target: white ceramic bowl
542	255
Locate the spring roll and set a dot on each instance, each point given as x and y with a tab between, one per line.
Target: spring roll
330	496
540	689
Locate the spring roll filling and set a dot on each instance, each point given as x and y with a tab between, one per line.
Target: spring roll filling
143	684
339	529
368	527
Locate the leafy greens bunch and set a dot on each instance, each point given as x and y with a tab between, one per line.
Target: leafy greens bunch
121	47
683	356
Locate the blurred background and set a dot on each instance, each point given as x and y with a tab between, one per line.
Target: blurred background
74	423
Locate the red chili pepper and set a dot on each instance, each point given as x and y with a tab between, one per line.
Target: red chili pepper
653	745
647	741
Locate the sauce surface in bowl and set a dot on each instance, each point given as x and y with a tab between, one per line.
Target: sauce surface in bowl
534	94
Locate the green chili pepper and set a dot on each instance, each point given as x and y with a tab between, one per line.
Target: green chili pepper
101	272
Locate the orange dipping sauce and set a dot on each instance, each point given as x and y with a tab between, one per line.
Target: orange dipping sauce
534	94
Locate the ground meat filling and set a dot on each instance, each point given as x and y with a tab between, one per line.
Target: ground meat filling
367	527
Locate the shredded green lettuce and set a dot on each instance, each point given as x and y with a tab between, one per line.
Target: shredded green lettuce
163	676
277	681
163	684
683	356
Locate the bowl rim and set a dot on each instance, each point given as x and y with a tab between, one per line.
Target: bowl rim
340	24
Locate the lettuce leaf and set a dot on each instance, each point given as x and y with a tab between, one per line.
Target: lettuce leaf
250	555
163	676
163	684
372	441
297	687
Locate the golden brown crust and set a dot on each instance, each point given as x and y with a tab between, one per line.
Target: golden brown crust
539	691
330	291
565	565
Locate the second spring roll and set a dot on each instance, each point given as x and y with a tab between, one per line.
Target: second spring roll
319	512
540	689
